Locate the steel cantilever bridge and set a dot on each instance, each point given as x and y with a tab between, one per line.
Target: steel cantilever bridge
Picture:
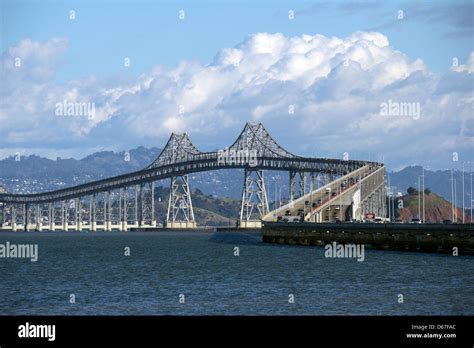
127	201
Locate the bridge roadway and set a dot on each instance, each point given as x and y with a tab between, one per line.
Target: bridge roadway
346	198
202	162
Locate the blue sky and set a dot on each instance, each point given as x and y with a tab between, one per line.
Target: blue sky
150	32
188	64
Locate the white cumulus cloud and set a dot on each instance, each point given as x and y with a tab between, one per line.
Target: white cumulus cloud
335	86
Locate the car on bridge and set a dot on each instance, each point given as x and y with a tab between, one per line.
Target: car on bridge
292	219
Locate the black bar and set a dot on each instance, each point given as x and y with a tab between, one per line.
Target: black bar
328	330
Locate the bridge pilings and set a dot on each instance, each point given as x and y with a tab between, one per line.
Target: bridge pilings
254	204
301	175
180	212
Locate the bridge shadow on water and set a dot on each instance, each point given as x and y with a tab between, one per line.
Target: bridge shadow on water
249	238
241	238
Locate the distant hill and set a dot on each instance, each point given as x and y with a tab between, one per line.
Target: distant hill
36	174
438	181
437	208
208	210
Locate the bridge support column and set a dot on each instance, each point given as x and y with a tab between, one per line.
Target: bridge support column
13	213
78	214
104	211
92	216
39	217
254	196
312	182
120	218
138	218
372	203
8	208
302	183
291	186
123	209
375	203
147	205
63	216
3	210
152	193
141	219
180	207
384	200
367	205
382	206
135	206
26	217
383	193
377	195
107	212
51	216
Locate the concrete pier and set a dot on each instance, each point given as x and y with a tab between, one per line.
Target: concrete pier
180	224
413	237
251	224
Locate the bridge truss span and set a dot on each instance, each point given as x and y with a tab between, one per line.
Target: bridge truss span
127	201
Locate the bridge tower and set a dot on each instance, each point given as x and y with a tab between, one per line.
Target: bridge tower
259	147
147	205
179	149
254	199
180	207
